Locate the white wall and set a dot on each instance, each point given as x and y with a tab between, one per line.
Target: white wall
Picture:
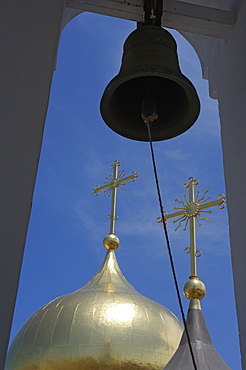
29	38
224	64
30	32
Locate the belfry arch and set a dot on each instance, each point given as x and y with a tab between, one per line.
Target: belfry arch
31	31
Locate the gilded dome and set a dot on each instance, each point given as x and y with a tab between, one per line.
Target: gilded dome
106	324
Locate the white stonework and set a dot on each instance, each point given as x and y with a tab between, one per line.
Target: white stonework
30	31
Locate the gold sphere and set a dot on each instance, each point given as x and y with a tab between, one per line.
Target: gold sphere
111	241
194	288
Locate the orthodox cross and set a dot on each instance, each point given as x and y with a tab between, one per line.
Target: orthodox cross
190	213
114	185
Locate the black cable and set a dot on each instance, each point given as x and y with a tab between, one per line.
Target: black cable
169	247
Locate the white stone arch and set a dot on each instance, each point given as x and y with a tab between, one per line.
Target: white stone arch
30	30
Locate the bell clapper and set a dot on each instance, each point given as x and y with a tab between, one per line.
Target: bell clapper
149	114
149	106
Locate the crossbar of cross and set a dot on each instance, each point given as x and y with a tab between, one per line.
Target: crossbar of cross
113	186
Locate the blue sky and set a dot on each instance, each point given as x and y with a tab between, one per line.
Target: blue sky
68	223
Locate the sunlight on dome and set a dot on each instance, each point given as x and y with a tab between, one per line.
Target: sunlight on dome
120	312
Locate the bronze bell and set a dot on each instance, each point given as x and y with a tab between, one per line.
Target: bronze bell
150	82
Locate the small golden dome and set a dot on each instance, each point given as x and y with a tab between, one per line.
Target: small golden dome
106	324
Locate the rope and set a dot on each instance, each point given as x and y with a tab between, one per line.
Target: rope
168	245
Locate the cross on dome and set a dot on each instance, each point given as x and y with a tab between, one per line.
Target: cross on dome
114	185
191	212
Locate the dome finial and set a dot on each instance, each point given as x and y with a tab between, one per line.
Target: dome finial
196	350
194	289
113	185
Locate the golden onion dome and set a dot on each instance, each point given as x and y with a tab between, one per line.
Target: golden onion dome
106	324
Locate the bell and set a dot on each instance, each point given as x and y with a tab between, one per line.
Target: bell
150	84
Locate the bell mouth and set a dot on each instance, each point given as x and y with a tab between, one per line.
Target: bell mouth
176	100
